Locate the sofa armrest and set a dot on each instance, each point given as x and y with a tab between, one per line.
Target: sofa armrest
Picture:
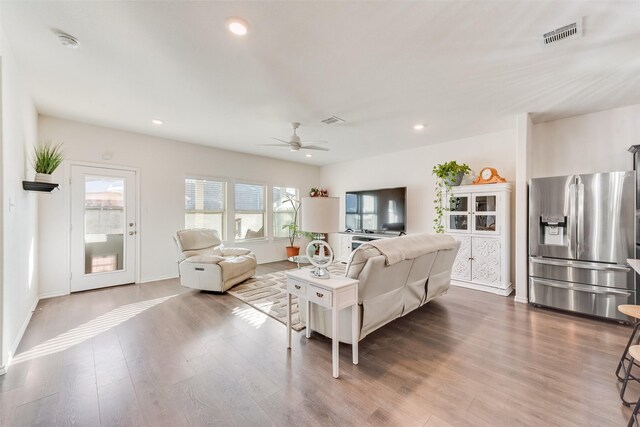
204	259
235	251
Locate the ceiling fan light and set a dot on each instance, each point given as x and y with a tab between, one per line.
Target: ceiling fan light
238	26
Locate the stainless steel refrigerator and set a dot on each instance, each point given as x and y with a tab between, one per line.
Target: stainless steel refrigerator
581	232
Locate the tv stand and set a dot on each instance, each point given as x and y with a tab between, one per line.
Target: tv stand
351	240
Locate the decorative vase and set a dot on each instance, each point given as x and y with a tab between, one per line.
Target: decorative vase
454	181
292	251
43	177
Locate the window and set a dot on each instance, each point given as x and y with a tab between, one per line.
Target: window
283	211
204	203
249	206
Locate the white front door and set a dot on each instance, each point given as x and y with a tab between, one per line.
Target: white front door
103	227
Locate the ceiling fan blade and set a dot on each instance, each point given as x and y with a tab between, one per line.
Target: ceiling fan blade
314	147
314	142
282	140
273	145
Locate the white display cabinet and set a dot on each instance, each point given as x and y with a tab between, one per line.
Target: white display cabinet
478	217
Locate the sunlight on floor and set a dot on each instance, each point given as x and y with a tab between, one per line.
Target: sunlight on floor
88	330
251	315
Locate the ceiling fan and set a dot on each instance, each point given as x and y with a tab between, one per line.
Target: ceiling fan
295	144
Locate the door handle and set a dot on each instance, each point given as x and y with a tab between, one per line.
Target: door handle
131	233
579	288
580	208
583	265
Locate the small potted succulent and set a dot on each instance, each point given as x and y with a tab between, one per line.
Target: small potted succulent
47	157
449	174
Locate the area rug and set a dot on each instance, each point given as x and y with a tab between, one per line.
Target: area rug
267	293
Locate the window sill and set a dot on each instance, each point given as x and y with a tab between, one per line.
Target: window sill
256	240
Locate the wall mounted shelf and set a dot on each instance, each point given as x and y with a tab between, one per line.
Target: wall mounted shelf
45	187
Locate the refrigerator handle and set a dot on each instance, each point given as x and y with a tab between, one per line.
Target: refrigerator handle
580	222
571	226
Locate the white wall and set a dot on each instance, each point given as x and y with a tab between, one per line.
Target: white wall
163	165
589	143
20	208
412	168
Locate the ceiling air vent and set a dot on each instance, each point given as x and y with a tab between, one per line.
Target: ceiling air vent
333	119
67	40
571	30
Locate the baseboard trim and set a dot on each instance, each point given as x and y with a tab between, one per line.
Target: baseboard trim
489	289
53	295
16	342
156	279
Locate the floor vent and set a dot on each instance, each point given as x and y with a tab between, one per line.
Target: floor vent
571	30
333	119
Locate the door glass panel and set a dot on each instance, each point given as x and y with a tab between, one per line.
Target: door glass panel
485	223
104	223
485	203
459	204
458	222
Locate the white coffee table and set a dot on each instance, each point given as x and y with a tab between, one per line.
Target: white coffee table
336	293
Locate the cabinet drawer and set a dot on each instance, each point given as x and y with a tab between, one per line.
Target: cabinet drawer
319	295
296	287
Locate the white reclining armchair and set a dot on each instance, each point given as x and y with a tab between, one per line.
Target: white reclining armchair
205	264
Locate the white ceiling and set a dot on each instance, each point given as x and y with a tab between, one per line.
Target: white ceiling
462	68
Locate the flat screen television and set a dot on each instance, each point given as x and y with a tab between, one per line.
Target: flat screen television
376	210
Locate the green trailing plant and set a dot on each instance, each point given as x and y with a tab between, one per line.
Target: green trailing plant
446	175
293	230
47	157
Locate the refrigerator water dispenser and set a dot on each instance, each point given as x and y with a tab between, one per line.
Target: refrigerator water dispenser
553	231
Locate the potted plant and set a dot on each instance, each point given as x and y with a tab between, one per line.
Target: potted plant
447	175
293	229
47	157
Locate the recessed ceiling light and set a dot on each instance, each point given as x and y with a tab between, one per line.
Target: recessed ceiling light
307	155
418	126
238	26
157	122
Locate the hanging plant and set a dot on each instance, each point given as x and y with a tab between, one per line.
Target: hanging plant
447	175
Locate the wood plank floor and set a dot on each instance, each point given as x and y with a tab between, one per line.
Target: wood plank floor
123	356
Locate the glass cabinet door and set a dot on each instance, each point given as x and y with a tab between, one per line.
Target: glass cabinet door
459	213
485	213
486	203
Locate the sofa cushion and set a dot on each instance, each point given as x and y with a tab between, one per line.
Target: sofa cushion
234	266
214	251
195	239
412	246
205	259
235	251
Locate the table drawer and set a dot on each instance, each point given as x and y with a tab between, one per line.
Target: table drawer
318	295
296	287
